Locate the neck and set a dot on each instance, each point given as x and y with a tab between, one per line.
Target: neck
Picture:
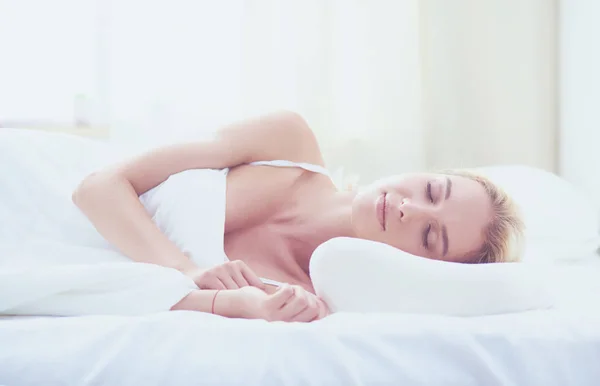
313	223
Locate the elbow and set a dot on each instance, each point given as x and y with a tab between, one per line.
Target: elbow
83	190
294	125
292	117
89	188
292	120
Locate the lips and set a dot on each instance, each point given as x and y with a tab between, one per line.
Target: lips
381	206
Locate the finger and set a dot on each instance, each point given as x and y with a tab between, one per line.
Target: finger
269	289
310	313
295	305
323	308
239	279
252	278
280	297
235	271
228	281
213	283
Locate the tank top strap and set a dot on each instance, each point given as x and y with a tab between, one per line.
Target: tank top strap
289	164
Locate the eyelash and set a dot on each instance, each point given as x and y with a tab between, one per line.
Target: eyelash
426	236
428	228
428	192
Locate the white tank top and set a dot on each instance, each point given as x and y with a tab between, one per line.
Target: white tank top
283	163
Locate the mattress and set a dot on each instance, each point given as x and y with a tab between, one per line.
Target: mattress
560	346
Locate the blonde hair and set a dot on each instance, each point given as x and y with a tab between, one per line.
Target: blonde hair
503	236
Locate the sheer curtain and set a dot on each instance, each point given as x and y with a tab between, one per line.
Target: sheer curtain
48	60
580	95
350	67
388	86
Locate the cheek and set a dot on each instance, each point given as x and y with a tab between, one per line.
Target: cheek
407	240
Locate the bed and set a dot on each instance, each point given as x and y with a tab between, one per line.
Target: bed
549	347
559	346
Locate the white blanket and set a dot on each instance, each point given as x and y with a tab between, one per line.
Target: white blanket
52	260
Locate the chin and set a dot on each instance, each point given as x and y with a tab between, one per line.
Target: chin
365	227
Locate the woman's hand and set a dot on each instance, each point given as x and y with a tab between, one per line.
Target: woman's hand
230	275
289	304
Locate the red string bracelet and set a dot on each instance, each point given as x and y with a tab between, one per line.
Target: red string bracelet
213	302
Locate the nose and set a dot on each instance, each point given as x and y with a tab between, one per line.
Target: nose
410	210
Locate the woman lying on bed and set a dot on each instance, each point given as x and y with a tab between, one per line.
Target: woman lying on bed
277	216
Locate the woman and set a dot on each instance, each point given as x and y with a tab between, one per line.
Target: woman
273	226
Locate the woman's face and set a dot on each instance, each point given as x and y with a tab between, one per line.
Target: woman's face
430	215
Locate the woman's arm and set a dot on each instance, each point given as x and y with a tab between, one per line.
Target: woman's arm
110	198
206	301
287	303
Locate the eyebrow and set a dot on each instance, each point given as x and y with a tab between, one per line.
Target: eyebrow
444	240
444	230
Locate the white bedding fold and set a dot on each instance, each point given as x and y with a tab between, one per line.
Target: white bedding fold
188	348
52	260
89	281
106	288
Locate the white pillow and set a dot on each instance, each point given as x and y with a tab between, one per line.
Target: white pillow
354	275
562	223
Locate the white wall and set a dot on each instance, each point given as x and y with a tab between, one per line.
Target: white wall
579	135
487	86
47	59
490	82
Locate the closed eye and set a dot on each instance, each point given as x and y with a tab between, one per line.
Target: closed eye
429	195
425	240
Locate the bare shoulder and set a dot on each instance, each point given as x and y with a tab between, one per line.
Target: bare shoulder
302	140
280	135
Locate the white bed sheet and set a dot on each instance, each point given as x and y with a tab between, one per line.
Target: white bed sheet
550	347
